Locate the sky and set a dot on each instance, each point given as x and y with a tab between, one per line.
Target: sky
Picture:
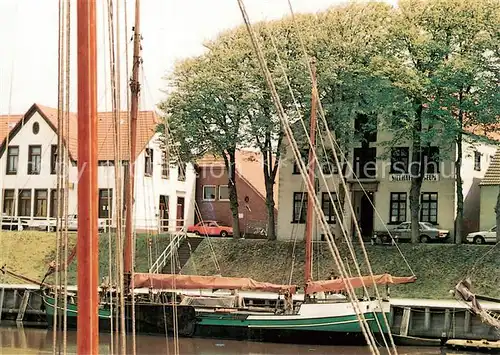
171	30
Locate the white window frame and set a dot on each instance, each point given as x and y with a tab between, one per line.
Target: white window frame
224	199
203	193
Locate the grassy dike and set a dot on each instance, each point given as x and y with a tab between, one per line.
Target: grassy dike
438	267
29	253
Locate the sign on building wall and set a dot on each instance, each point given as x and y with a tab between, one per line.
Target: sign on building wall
407	177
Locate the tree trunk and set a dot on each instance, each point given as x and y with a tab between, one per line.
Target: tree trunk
230	163
417	171
271	223
459	218
497	212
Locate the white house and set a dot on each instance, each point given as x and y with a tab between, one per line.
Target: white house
490	188
163	194
380	193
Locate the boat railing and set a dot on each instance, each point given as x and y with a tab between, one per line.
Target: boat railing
176	239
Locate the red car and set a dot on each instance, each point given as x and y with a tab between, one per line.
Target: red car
210	228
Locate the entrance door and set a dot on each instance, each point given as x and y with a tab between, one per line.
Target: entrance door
164	213
180	212
366	215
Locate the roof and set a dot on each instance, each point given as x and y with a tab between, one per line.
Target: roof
146	128
248	167
492	175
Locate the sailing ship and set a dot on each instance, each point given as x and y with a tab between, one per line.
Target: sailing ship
163	307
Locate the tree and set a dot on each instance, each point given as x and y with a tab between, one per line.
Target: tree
204	117
438	57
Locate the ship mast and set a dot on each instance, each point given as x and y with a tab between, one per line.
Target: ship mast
311	170
135	88
87	242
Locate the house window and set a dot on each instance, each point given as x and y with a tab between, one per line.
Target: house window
209	192
148	162
105	163
40	203
105	202
8	202
223	193
365	163
399	160
365	128
429	207
24	208
165	165
305	157
299	207
34	159
53	203
181	172
53	158
431	160
327	206
477	161
12	160
328	164
398	207
36	128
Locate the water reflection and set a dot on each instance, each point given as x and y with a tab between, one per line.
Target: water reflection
39	341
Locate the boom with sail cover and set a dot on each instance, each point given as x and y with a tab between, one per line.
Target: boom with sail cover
356	282
195	282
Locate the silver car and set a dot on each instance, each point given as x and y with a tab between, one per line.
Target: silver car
428	232
483	237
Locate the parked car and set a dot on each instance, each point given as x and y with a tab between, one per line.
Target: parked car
12	223
210	228
483	237
428	232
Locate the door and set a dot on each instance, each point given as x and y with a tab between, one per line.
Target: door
180	212
366	215
164	213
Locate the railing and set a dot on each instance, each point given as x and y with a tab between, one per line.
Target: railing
176	239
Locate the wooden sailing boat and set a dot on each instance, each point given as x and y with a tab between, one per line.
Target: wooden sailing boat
311	319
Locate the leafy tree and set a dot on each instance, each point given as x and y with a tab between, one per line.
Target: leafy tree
439	58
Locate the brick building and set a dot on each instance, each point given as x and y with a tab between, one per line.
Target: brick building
212	194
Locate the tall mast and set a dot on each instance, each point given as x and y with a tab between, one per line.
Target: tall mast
311	170
135	88
87	247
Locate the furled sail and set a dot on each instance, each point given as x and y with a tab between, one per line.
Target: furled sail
195	282
356	282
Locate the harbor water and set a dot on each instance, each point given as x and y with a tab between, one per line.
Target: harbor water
19	340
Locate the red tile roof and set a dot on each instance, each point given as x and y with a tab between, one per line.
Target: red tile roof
146	127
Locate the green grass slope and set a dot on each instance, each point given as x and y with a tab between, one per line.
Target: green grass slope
438	267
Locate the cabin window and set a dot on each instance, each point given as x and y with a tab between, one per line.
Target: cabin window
399	160
8	202
181	172
365	163
327	206
398	207
305	157
223	192
105	202
429	207
24	208
53	158
165	165
477	161
299	207
209	192
40	203
53	203
431	160
34	159
148	162
12	160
